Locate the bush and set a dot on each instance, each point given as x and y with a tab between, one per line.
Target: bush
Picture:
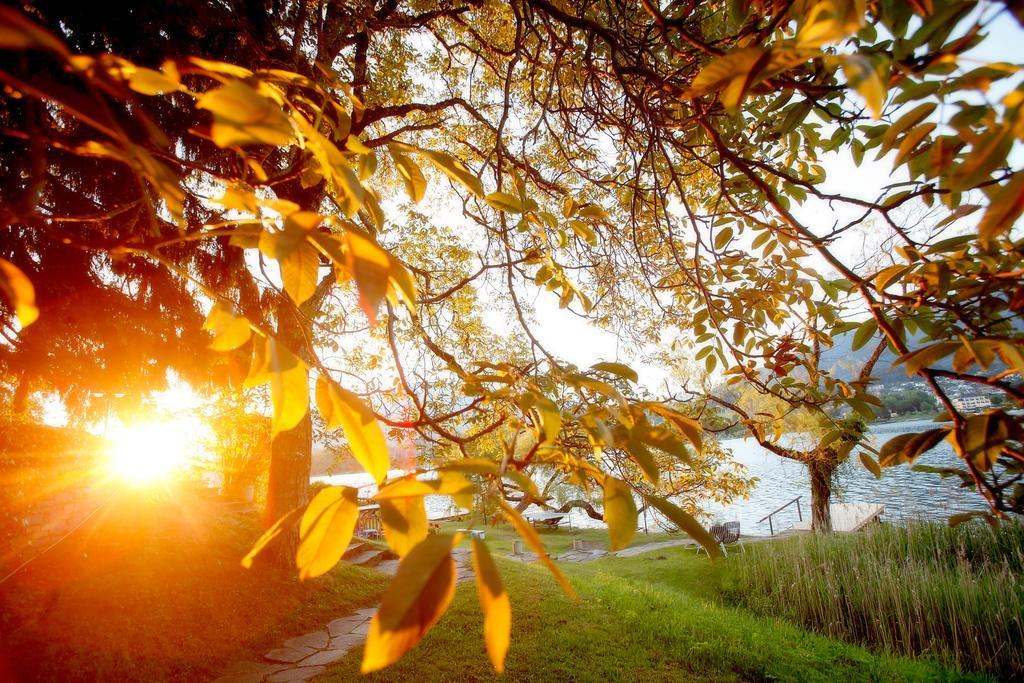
954	594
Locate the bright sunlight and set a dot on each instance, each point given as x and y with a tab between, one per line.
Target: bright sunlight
147	452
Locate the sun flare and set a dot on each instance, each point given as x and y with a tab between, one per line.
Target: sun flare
147	452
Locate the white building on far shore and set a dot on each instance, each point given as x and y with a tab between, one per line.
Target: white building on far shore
970	404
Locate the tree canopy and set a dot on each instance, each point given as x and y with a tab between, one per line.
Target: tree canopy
347	191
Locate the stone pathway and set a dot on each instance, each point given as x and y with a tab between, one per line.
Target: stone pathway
302	657
590	554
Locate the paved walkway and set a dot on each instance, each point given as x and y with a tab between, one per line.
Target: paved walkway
302	657
591	555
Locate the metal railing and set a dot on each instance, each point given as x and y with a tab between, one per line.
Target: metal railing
799	514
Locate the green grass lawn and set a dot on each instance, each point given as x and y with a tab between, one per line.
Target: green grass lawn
653	617
154	592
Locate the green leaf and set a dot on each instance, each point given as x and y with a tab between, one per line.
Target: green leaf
341	408
687	524
418	596
503	201
870	464
494	603
620	369
229	331
865	331
242	116
326	530
19	291
619	512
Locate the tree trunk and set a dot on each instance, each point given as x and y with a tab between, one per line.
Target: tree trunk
288	486
821	494
290	452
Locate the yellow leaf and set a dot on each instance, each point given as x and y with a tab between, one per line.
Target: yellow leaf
1005	208
503	201
243	116
289	386
495	605
619	512
150	82
404	521
372	207
229	331
370	266
341	408
418	596
830	21
276	529
550	417
690	428
984	437
415	182
299	272
527	533
863	75
886	276
341	178
732	73
19	291
454	169
367	165
446	483
221	67
687	524
620	369
326	530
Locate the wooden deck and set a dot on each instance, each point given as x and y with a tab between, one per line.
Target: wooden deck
848	516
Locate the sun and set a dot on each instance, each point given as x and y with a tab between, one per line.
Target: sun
147	452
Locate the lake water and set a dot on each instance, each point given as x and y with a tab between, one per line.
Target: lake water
904	493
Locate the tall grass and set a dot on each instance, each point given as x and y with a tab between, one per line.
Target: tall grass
954	594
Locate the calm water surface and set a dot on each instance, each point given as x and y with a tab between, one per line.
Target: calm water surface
904	493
